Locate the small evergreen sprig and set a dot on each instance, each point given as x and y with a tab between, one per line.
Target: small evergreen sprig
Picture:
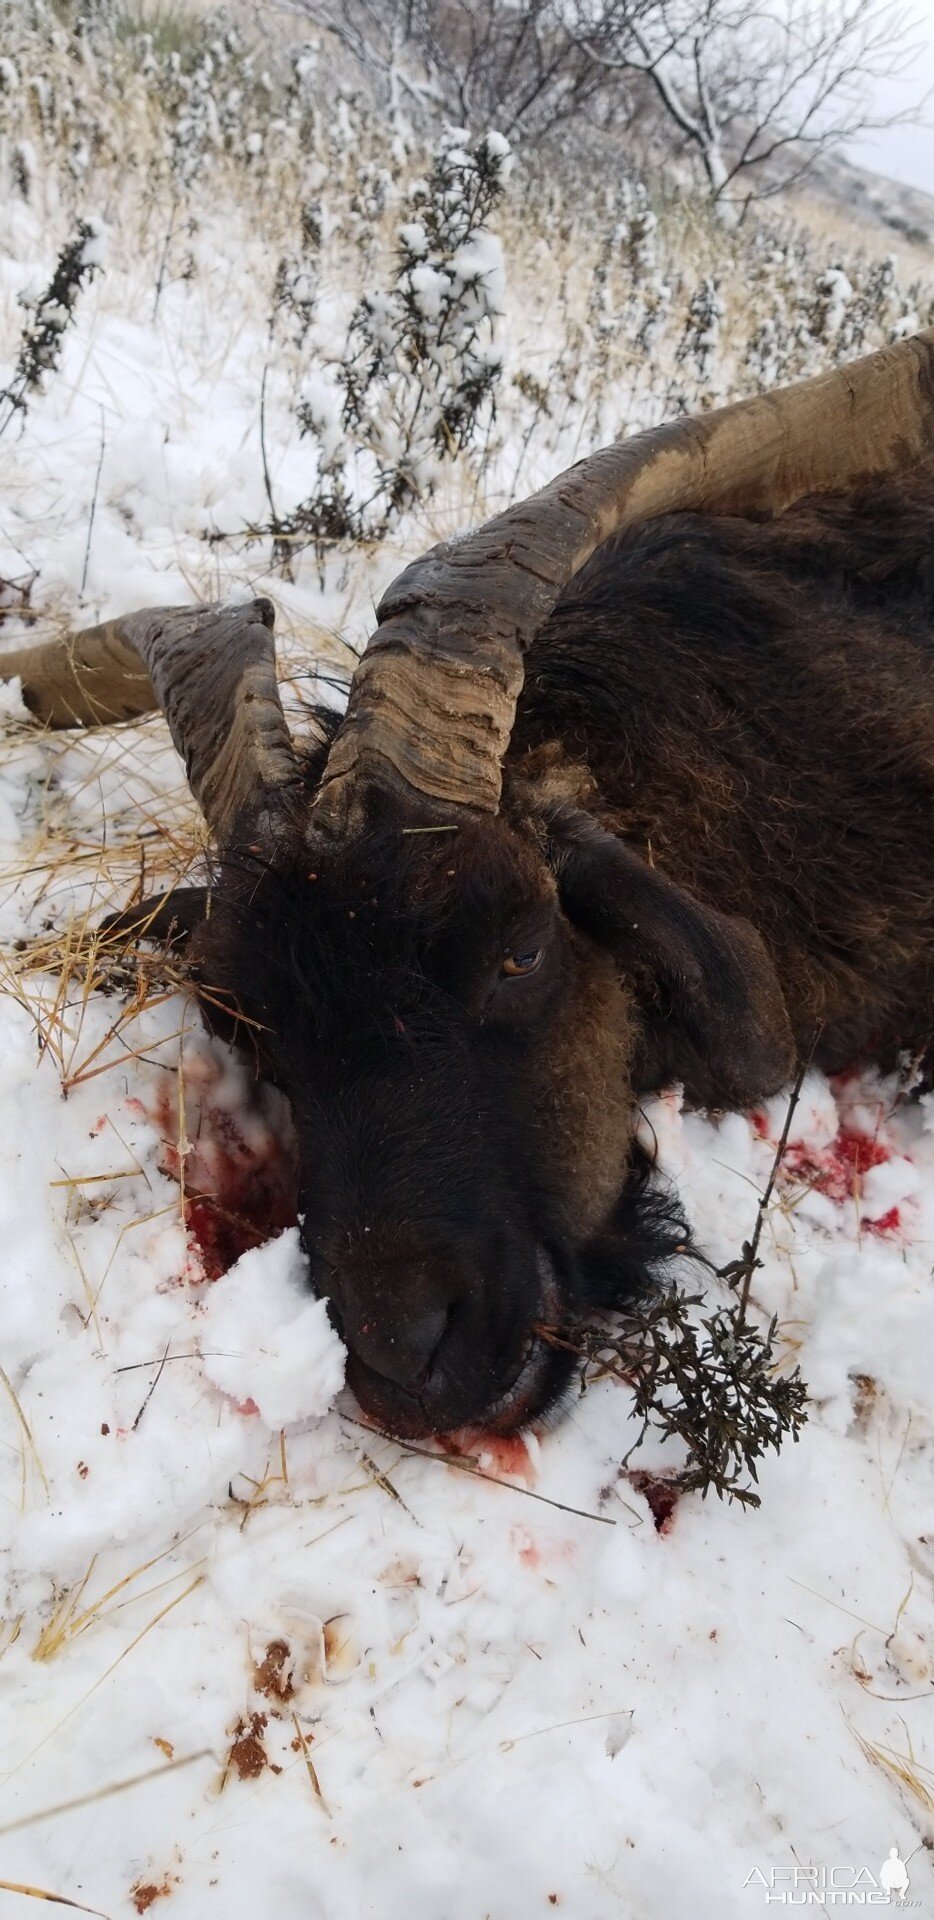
709	1381
713	1385
49	316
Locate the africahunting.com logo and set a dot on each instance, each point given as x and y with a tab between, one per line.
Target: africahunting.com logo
835	1886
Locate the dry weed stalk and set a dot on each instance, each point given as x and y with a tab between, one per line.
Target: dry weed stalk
70	1619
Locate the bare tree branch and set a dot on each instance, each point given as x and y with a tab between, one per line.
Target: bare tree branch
743	80
516	65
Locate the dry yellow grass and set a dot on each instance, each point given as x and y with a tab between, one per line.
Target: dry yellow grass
70	1619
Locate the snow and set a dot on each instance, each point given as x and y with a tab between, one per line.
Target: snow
430	289
413	238
257	1659
274	1345
478	265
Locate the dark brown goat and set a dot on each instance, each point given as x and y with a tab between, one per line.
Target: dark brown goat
478	918
753	703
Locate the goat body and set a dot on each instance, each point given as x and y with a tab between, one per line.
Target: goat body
714	850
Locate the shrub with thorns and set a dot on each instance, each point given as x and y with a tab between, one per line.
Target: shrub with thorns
49	316
417	383
708	1381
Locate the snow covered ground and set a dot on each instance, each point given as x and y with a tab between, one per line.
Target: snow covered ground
255	1659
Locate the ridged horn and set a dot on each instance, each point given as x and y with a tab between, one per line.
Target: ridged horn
211	670
432	702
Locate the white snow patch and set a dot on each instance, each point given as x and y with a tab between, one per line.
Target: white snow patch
266	1340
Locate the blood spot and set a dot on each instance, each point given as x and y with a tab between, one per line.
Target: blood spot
145	1893
240	1170
248	1755
836	1170
502	1455
537	1554
662	1496
887	1222
274	1676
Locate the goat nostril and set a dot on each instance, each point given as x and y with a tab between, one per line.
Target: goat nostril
433	1332
441	1326
404	1351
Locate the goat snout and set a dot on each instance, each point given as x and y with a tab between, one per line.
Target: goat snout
401	1347
400	1312
438	1333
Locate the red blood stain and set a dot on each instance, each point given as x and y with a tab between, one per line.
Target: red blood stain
836	1170
539	1554
886	1223
240	1177
858	1151
504	1455
224	1229
507	1453
662	1495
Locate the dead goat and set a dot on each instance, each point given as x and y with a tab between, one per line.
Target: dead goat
634	785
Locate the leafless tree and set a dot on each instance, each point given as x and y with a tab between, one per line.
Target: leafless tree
517	63
757	89
521	66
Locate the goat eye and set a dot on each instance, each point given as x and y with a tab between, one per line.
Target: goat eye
515	965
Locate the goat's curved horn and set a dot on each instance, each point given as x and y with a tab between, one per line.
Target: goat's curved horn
212	671
432	702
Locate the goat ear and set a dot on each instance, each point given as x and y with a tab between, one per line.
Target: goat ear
165	917
718	1021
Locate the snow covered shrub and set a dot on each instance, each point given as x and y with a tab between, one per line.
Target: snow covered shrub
85	84
48	316
294	298
833	292
637	232
699	346
420	371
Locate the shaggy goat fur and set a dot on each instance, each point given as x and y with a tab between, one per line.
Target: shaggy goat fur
754	705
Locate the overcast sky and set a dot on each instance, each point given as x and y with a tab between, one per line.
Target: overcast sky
906	153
